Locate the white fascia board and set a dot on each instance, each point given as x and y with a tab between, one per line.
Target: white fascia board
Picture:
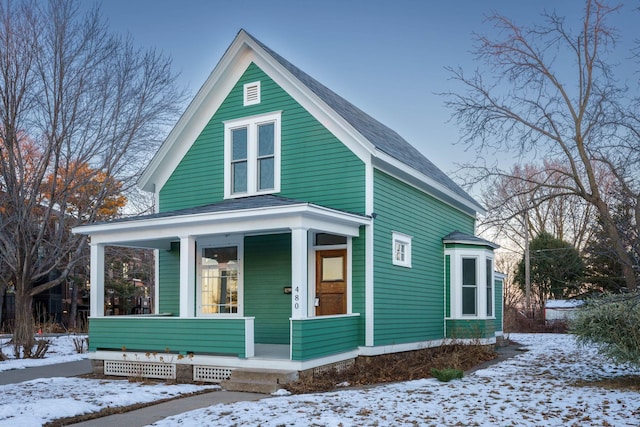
331	120
232	65
420	177
203	106
239	221
471	243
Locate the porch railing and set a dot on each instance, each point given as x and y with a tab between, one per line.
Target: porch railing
323	336
159	334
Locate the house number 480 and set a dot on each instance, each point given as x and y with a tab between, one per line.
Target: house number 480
296	297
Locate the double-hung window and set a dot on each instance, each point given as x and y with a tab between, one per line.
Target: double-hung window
489	274
469	287
252	155
401	249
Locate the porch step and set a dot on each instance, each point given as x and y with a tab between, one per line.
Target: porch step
258	380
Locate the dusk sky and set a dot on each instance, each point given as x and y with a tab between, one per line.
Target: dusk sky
386	57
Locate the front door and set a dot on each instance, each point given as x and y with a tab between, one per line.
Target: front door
331	282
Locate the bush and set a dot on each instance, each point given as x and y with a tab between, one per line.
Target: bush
612	323
447	374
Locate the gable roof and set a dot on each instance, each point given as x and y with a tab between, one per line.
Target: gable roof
382	137
375	138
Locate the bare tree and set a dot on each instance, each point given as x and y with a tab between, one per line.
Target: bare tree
552	91
516	201
73	98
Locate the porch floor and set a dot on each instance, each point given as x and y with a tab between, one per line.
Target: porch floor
272	351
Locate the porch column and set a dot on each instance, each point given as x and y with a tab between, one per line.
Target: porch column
97	280
187	276
299	273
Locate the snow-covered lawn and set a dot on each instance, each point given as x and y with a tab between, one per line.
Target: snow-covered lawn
61	350
534	388
33	403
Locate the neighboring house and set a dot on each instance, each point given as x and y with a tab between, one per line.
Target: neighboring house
560	310
293	231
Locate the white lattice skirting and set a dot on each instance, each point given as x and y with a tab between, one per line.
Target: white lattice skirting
211	374
140	369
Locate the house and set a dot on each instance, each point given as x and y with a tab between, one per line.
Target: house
558	310
293	231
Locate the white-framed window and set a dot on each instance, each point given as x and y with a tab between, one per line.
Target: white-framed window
401	250
219	281
251	93
471	283
469	286
252	155
490	296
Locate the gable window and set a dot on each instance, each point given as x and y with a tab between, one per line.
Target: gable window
252	155
401	250
251	93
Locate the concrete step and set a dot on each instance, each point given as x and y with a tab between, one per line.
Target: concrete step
258	380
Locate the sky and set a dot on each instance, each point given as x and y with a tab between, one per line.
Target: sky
386	57
534	388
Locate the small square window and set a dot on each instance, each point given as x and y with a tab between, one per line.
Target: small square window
401	250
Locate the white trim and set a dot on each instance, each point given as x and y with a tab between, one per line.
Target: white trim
405	241
398	348
394	167
455	274
369	258
349	261
187	276
249	341
96	280
251	124
299	273
156	280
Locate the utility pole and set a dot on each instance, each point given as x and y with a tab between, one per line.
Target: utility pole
527	265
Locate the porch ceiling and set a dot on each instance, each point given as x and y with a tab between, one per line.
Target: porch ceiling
250	215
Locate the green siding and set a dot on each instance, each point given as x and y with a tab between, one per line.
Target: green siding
267	270
470	328
447	281
498	284
198	336
315	166
318	337
408	302
169	290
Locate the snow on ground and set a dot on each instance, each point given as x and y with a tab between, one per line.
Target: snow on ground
532	389
35	402
61	350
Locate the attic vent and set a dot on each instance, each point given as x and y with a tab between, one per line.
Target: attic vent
252	93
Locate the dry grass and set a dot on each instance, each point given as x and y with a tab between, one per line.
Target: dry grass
631	383
397	367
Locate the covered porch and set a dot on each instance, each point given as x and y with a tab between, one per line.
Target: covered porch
237	285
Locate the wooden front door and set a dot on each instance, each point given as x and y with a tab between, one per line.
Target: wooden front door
331	282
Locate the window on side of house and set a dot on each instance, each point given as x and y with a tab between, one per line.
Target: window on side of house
252	155
469	287
401	250
489	273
